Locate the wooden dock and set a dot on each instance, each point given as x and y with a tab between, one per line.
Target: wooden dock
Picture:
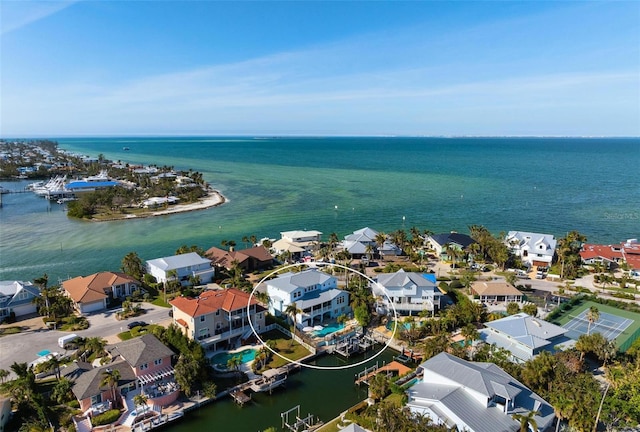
393	368
240	396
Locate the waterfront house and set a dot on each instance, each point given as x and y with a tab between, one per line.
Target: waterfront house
297	243
627	252
360	242
496	292
254	258
315	293
440	242
150	360
523	335
407	292
183	267
218	318
96	292
533	249
95	398
17	297
474	396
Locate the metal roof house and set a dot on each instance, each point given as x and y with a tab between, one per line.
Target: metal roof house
533	248
474	396
523	335
407	292
184	265
17	297
315	293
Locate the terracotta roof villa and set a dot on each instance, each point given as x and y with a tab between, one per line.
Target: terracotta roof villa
255	258
474	396
218	318
496	292
94	292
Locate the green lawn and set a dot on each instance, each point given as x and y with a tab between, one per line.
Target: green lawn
624	337
284	347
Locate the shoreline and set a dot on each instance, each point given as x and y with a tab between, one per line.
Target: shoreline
214	198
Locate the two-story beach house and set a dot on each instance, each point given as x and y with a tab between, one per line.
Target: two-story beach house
254	258
96	292
17	297
361	242
143	364
408	293
297	243
315	293
182	267
496	292
218	318
533	249
524	336
474	396
455	240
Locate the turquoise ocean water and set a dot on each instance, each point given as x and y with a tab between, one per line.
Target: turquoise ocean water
549	185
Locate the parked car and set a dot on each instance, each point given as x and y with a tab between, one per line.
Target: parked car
133	324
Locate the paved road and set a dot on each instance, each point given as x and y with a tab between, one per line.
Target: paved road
24	346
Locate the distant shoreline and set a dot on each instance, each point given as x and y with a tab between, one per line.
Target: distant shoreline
213	198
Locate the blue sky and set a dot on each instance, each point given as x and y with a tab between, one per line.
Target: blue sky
319	68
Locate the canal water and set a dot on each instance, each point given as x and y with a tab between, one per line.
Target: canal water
323	393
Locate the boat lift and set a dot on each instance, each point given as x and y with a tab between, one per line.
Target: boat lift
307	423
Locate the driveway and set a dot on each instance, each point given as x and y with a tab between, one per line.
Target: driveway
25	346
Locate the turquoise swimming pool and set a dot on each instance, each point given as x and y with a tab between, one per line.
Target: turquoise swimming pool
220	360
330	328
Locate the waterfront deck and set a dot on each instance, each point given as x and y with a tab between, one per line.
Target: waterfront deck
393	368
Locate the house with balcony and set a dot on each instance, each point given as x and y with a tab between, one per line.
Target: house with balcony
183	268
96	292
534	249
297	243
219	319
474	396
408	293
440	242
361	242
251	259
144	365
17	297
315	293
524	336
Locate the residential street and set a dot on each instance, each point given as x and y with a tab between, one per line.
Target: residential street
25	346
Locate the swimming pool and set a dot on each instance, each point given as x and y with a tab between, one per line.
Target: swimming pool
220	360
330	328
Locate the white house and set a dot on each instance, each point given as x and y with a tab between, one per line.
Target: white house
297	242
17	297
185	266
524	336
360	242
409	292
315	293
532	248
474	396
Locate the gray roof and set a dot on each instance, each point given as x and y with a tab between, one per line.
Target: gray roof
88	384
288	282
178	261
364	235
354	247
140	350
75	369
527	330
485	378
9	289
353	428
531	239
408	282
315	297
461	240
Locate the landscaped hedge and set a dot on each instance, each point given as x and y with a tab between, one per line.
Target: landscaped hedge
106	417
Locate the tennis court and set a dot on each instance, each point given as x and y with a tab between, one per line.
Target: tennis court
610	326
614	323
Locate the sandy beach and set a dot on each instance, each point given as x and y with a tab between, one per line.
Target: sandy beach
214	198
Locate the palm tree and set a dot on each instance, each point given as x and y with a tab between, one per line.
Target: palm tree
380	239
292	311
54	364
234	363
333	240
593	315
3	375
469	333
132	265
526	420
245	240
140	400
110	378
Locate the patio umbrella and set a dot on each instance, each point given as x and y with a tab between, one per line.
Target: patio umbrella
307	329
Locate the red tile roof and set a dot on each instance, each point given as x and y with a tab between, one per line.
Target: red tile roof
92	288
608	252
210	301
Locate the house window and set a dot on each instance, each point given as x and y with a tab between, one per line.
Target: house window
96	399
157	362
144	366
202	318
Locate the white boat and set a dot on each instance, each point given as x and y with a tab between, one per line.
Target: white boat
65	199
125	148
270	379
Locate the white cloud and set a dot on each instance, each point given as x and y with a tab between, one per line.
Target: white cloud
17	14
